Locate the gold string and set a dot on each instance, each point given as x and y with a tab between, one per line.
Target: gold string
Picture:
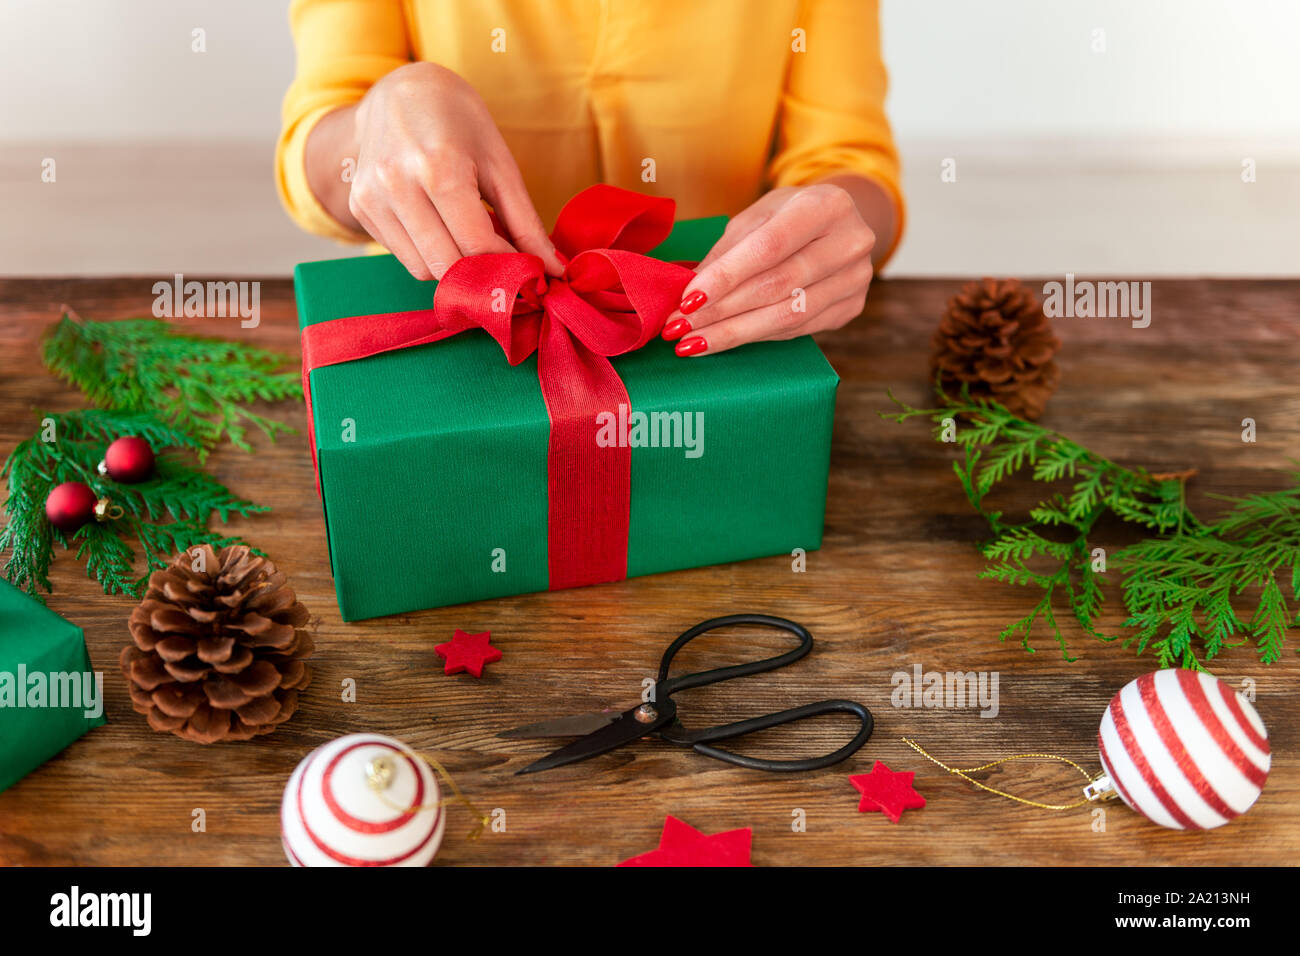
965	772
378	781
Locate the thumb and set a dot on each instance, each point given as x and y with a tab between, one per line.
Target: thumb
738	227
506	191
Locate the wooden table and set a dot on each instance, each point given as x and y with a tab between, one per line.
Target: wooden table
893	586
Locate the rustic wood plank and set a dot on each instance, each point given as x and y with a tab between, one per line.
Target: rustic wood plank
894	585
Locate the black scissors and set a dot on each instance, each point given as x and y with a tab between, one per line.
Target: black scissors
610	730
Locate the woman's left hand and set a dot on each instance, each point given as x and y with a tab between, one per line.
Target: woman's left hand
796	261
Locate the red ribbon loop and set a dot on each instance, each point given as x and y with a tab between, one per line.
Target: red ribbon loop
610	300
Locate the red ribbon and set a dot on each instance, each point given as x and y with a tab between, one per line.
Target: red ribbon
611	299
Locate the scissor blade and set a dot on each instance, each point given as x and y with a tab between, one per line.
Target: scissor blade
624	729
575	726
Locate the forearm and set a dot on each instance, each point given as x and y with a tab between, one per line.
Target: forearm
331	143
875	206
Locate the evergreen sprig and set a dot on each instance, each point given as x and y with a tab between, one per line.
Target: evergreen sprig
202	386
166	514
1181	586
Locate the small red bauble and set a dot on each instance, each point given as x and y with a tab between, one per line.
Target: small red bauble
70	505
128	460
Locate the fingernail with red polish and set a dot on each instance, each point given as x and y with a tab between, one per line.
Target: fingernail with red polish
692	346
692	302
676	329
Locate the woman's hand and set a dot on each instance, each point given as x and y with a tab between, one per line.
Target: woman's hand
796	261
427	153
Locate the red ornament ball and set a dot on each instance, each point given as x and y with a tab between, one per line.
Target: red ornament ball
128	460
70	505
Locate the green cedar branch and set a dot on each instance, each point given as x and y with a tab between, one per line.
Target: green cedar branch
166	514
201	386
1181	587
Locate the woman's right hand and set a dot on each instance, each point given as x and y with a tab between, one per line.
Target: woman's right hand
427	154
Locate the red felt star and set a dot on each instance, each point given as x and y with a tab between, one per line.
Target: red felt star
468	652
887	791
681	844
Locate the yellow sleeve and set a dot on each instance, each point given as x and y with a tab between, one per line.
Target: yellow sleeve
343	47
832	116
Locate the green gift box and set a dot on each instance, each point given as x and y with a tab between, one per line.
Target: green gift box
433	459
46	685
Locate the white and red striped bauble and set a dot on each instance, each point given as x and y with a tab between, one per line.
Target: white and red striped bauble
1184	749
331	815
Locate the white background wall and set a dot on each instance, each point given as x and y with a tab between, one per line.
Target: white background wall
123	70
1180	68
1012	89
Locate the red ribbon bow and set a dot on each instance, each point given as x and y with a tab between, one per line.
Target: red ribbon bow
612	299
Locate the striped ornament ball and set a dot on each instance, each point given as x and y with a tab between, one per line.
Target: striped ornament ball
344	804
1184	749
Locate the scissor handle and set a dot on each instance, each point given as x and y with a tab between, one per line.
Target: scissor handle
666	687
699	740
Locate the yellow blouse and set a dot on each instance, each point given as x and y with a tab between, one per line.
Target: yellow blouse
710	102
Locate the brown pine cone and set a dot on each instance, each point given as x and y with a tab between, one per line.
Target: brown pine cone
218	653
995	339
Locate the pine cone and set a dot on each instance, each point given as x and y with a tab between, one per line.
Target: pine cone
995	339
218	653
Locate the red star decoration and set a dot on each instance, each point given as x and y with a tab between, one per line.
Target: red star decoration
468	652
681	844
887	791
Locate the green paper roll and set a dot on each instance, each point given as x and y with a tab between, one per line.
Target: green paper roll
45	692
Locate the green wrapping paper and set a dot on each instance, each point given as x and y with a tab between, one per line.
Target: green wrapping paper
43	663
433	459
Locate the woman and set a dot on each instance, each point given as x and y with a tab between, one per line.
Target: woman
406	115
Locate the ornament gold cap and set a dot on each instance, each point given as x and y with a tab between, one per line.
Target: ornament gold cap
379	773
1103	788
382	769
105	510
